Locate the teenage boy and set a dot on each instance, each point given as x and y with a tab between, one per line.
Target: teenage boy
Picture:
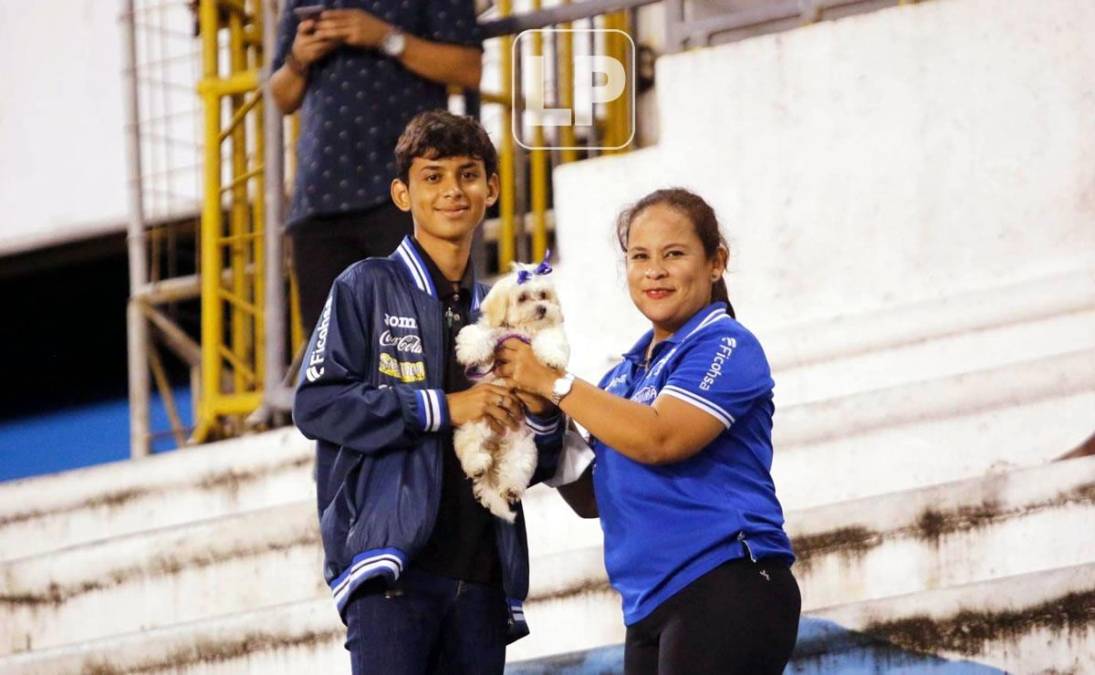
426	580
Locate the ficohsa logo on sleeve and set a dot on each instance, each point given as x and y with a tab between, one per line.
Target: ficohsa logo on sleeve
722	354
315	361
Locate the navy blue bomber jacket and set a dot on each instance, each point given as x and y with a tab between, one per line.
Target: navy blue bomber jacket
371	395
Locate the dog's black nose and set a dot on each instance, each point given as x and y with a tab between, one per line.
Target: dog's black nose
541	311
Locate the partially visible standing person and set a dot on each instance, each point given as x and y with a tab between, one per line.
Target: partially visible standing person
359	71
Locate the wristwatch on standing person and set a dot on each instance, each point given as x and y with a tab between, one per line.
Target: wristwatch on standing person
561	387
394	43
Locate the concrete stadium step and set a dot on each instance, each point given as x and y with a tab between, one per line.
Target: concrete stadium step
43	590
1023	624
1036	622
287	639
946	535
894	544
49	512
909	436
1039	622
161	577
156	578
929	340
938	358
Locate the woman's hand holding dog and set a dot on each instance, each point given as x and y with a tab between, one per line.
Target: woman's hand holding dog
516	363
491	402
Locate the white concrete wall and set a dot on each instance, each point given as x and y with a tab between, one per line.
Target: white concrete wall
61	121
63	172
859	164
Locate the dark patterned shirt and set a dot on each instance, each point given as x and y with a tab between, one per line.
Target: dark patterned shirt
358	101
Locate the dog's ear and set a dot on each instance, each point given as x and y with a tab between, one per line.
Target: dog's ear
494	305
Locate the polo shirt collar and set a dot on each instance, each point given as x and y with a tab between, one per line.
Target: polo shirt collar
701	319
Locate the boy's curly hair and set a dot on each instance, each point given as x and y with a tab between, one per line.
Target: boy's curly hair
438	134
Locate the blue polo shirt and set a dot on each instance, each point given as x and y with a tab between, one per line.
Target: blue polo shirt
665	526
358	101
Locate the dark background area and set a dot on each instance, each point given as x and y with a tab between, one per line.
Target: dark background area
64	332
63	326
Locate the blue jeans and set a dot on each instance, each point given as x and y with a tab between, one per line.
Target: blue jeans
427	624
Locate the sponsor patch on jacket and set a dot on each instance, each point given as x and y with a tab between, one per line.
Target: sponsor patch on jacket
645	395
722	355
411	344
315	360
406	371
392	321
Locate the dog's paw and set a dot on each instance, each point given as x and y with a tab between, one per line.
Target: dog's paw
501	509
551	348
476	464
492	500
475	345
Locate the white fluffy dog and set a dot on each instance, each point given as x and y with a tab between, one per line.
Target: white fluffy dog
522	304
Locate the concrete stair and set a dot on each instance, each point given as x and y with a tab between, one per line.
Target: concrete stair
883	572
954	334
45	514
1036	622
894	544
989	628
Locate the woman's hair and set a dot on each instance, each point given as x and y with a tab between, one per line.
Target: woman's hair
439	134
698	212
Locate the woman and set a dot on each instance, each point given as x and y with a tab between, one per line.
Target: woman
682	435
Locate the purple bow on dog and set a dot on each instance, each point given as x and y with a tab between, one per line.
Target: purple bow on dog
541	269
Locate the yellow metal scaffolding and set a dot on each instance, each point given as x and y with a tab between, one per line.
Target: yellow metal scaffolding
232	233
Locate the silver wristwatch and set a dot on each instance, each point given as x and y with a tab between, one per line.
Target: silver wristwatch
561	388
394	43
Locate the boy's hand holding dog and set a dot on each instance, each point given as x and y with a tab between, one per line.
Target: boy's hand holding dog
491	402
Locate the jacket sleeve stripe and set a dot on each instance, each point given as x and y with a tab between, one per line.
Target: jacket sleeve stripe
543	425
440	408
365	567
432	413
423	409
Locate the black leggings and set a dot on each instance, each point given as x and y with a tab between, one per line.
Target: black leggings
741	617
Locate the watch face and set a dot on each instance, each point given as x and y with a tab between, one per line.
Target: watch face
562	386
393	44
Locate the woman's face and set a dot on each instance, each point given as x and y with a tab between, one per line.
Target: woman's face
668	273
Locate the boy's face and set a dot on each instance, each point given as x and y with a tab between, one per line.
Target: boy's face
447	197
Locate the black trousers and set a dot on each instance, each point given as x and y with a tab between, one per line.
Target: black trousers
741	617
324	246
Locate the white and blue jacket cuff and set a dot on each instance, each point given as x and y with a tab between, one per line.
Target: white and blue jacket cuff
431	410
546	425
